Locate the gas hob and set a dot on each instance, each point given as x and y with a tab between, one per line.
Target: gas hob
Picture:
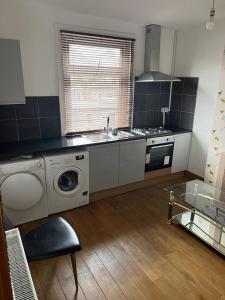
150	131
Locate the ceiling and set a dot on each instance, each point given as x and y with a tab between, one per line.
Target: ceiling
174	13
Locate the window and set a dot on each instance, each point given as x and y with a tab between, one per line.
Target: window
98	81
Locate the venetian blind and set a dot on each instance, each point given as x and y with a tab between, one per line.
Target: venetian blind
98	81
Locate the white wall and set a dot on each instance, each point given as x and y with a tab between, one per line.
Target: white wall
34	25
199	53
214	171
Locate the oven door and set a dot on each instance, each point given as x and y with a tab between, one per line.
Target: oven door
158	156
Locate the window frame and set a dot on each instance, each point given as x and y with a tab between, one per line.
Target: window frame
60	80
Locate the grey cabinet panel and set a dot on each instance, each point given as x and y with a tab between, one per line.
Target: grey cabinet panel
104	167
132	161
181	152
11	75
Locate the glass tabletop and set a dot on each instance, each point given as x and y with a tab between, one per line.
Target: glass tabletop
203	197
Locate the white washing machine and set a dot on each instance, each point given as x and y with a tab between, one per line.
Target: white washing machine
23	189
67	177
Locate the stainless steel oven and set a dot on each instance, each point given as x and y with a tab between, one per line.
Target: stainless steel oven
159	153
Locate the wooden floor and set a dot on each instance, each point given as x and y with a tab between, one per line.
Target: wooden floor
130	252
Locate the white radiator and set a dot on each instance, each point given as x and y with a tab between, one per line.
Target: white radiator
22	284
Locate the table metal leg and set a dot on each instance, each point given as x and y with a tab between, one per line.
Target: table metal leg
170	209
192	215
221	232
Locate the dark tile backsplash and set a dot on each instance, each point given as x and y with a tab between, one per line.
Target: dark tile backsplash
165	87
28	129
50	127
152	102
140	119
140	103
186	120
188	103
28	110
37	119
176	102
190	86
152	119
7	112
164	100
150	97
183	103
174	119
48	107
178	87
8	130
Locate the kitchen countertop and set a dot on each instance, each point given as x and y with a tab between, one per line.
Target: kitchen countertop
14	149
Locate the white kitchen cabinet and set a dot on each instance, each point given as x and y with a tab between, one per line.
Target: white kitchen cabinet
104	166
181	152
11	75
116	164
132	161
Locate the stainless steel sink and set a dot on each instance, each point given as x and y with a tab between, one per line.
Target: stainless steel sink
104	137
97	137
121	135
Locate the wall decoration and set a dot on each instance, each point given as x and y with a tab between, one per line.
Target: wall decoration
217	143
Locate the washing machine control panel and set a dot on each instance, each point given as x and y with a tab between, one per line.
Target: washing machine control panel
69	161
79	157
72	160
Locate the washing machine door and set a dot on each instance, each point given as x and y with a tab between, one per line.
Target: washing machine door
21	191
68	181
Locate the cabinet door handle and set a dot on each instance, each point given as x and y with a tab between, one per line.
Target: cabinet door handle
161	146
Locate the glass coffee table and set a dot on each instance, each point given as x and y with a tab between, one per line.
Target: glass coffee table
204	213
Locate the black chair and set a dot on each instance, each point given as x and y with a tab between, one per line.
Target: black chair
51	239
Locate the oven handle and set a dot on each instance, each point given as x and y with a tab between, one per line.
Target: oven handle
161	146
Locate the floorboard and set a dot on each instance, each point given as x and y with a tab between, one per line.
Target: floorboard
130	252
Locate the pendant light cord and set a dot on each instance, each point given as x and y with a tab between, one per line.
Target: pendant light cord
212	11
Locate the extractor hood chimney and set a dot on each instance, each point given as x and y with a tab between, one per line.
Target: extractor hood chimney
152	55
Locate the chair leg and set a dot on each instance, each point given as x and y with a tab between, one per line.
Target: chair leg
74	265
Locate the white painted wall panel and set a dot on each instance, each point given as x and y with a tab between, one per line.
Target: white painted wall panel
199	54
34	25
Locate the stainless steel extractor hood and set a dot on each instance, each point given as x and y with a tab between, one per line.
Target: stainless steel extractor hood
152	55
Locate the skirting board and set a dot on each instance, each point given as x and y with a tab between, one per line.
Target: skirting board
148	181
157	173
193	176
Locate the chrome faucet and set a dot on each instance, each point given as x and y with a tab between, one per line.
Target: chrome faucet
107	125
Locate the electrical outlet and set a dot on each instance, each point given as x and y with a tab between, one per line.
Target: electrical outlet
165	109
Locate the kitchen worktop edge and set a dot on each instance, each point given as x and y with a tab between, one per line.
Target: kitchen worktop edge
14	149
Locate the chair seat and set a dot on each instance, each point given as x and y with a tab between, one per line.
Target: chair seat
54	238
